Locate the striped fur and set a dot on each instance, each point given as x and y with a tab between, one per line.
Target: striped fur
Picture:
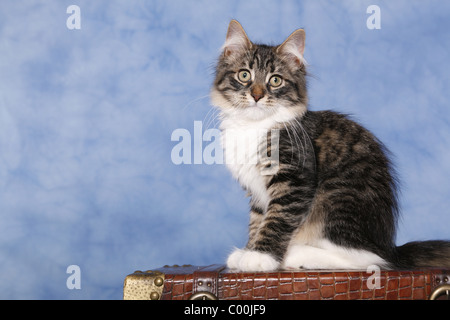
332	202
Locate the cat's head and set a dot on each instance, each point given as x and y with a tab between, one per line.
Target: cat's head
257	82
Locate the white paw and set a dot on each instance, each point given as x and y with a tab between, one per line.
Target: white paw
305	257
248	260
329	256
234	258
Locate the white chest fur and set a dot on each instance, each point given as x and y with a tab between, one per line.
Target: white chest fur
244	140
243	157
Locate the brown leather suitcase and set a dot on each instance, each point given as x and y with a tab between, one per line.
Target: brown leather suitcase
218	282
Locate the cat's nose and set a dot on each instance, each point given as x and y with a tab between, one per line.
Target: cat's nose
257	93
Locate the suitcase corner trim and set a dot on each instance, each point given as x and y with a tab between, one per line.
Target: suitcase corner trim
144	285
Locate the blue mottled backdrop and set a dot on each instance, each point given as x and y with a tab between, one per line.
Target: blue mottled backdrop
86	118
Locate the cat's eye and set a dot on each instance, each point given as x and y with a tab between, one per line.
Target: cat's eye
275	81
244	76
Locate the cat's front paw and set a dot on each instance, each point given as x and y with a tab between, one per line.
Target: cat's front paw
234	258
249	260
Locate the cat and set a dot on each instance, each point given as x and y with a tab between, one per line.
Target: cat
331	202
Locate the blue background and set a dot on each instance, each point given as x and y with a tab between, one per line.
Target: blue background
86	117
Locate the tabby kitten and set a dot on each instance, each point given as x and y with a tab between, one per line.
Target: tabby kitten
331	202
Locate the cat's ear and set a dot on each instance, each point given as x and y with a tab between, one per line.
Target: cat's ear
236	40
293	47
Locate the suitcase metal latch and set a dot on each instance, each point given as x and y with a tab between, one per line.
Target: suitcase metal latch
203	295
440	291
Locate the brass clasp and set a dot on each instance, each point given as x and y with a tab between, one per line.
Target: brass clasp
203	295
440	291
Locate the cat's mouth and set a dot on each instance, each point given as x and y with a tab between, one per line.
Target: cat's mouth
251	110
254	104
256	111
263	103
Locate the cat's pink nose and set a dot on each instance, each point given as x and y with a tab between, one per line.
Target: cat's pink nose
257	97
257	93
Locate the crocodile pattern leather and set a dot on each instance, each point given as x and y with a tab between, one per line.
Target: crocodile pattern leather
180	283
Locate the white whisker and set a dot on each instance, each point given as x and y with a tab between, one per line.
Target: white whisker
211	118
306	139
195	100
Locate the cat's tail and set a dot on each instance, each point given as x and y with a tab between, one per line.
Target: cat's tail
424	254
